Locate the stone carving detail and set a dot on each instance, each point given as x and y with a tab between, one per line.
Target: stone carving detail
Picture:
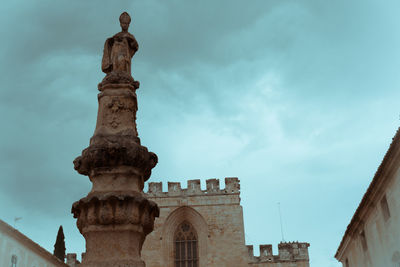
113	151
116	106
113	209
117	111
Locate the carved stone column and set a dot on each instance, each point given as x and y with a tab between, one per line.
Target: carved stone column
115	216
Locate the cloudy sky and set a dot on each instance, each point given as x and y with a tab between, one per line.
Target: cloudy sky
299	99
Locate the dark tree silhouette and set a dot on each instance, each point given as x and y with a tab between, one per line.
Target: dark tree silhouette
59	246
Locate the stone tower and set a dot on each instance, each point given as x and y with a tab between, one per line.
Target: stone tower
115	216
215	217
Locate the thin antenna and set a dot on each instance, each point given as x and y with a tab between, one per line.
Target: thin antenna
280	218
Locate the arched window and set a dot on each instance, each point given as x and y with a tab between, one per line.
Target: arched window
185	248
13	261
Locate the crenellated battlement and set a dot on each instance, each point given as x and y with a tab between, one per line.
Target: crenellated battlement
232	186
287	251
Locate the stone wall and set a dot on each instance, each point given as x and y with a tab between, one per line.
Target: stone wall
381	235
372	237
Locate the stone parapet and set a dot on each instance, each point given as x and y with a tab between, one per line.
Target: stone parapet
177	196
293	251
71	260
232	187
287	252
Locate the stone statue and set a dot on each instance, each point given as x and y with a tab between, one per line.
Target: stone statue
118	53
115	217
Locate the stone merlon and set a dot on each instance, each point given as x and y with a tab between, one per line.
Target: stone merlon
287	251
232	186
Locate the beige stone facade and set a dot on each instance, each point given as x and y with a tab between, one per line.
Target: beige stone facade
217	219
18	250
373	236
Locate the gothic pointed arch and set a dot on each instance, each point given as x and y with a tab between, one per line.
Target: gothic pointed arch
185	216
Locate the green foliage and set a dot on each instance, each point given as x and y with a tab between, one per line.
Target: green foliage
59	246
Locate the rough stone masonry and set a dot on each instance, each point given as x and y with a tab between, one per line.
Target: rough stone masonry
115	216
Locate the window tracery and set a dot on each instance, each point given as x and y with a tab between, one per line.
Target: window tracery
185	246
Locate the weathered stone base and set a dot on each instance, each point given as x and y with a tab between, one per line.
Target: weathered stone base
115	227
116	263
113	248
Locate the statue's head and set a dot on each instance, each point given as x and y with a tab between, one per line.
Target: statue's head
124	20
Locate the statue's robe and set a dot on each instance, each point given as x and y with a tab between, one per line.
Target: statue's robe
118	52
